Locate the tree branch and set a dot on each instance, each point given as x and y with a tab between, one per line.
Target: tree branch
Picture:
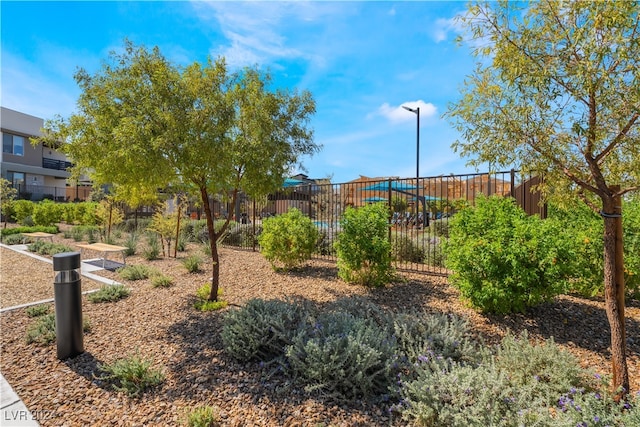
618	138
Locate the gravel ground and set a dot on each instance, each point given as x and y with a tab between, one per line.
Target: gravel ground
160	323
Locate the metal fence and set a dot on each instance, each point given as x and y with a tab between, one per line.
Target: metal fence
58	194
420	211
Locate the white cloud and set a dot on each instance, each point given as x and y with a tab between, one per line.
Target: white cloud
397	114
255	30
443	27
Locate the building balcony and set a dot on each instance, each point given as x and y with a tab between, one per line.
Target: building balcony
60	165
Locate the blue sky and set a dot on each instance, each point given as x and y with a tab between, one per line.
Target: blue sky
361	61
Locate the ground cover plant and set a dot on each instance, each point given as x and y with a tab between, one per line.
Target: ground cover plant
109	293
132	375
427	367
42	330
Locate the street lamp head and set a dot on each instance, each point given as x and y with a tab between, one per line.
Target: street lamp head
413	110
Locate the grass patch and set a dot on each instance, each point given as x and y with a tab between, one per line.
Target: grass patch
161	281
136	272
192	263
109	293
132	375
202	416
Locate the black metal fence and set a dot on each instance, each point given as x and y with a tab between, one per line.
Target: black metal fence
58	194
418	224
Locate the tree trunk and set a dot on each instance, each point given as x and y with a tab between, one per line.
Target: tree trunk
614	293
215	266
175	249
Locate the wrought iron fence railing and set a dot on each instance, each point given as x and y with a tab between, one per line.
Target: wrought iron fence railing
419	219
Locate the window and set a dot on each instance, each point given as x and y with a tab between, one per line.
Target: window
16	178
13	144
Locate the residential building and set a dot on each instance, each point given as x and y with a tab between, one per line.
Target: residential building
37	171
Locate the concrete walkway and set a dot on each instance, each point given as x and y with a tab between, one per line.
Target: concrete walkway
13	412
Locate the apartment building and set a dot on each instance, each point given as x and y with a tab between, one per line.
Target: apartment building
36	171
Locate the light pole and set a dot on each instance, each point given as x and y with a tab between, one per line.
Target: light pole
416	111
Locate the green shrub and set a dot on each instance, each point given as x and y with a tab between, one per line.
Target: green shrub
579	407
13	239
152	251
131	375
343	356
203	304
22	209
288	240
547	369
38	310
161	281
364	251
19	230
517	386
47	213
202	416
43	330
447	338
131	244
206	249
192	263
48	248
505	261
109	293
136	272
262	329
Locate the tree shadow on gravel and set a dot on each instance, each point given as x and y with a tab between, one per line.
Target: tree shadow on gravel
86	365
572	322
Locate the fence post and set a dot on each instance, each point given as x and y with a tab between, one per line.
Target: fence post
513	183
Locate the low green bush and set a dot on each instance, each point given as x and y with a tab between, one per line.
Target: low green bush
19	230
38	310
262	329
343	356
192	263
136	272
109	293
202	302
241	235
202	416
131	244
48	248
152	250
132	375
43	330
363	248
288	240
161	281
13	239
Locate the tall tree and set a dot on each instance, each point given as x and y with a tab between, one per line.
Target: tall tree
144	124
557	90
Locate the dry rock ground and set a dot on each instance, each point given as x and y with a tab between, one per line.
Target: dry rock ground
161	324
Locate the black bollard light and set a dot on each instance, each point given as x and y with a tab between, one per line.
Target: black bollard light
68	303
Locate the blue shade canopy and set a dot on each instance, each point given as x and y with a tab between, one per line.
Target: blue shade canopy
375	199
395	185
290	182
